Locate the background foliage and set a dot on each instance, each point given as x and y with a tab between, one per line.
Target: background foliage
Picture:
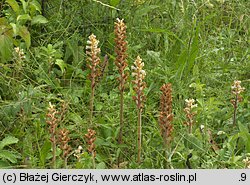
200	47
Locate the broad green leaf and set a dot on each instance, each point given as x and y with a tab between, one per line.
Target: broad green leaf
192	142
25	34
14	5
155	55
44	152
4	164
76	118
8	155
25	5
61	64
99	106
14	28
244	134
36	5
6	46
24	17
101	165
39	19
114	2
8	141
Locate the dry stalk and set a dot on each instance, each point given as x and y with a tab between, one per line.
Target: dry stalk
139	98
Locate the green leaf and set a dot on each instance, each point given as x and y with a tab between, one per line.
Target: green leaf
101	165
61	64
44	152
36	5
39	19
244	134
76	118
14	5
6	46
114	2
146	10
192	142
14	28
154	55
25	5
8	141
4	164
25	34
8	155
23	17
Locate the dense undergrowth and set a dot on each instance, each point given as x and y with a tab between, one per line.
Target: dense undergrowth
201	48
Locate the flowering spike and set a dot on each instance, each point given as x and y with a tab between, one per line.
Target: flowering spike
120	62
166	115
236	90
189	113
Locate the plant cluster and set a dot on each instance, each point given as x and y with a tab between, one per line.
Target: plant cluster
150	90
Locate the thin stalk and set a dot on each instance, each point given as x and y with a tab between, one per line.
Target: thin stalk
235	109
91	106
139	135
65	162
190	127
121	117
53	151
93	159
121	125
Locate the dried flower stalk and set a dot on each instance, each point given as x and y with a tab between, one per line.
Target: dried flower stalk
52	120
166	115
90	139
190	113
236	90
139	98
120	61
65	147
92	52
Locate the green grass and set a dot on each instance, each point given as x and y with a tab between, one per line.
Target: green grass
199	47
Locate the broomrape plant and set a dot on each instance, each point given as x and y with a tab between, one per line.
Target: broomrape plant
190	114
92	52
90	139
65	147
53	118
236	90
52	121
166	115
121	63
139	98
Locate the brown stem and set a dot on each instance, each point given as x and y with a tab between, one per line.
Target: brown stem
121	123
65	162
53	150
93	159
139	136
92	105
190	127
235	109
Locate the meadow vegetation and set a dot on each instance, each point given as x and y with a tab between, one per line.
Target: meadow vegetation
125	84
